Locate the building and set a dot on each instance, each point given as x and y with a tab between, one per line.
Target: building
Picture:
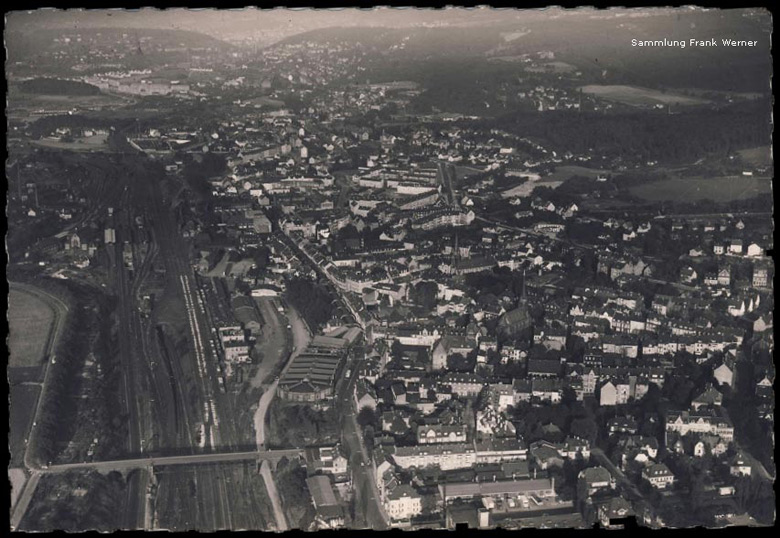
329	513
614	508
760	277
724	374
446	456
739	466
312	376
441	433
403	503
541	488
658	475
595	479
326	460
450	345
715	422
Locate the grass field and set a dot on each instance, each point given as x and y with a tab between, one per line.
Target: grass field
562	173
720	189
553	181
30	321
636	96
760	156
23	400
467	171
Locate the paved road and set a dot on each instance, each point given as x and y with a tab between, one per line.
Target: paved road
273	493
262	411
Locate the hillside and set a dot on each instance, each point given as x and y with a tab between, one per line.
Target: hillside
599	45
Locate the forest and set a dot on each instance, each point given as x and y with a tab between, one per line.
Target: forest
675	138
58	86
311	300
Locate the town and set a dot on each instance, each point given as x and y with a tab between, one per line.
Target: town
400	319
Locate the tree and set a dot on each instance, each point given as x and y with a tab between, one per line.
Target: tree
366	417
429	504
424	294
459	363
368	437
586	428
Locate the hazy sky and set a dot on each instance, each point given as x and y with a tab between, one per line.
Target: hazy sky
225	21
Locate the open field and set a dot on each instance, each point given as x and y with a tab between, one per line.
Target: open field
30	321
554	180
467	171
562	173
22	408
721	189
636	96
760	156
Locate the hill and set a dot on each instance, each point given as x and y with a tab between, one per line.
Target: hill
598	44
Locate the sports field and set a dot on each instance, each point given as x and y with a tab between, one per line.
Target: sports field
636	96
30	321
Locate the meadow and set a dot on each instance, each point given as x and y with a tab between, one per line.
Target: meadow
719	189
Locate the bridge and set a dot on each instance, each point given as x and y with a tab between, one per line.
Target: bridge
184	459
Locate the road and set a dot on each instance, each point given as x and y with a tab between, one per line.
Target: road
363	476
24	500
185	459
301	338
622	479
273	493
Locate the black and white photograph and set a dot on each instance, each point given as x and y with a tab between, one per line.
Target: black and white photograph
303	269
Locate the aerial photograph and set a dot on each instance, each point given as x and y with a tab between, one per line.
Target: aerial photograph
314	269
